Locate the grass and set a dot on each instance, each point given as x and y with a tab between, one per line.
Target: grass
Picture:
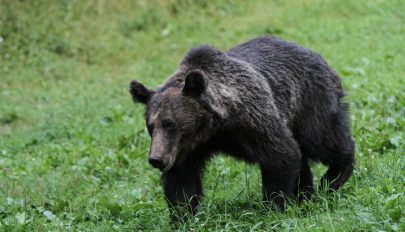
73	147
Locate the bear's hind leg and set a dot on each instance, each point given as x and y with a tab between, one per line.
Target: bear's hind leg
340	169
277	185
340	152
304	187
280	172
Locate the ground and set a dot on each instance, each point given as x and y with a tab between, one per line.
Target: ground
73	147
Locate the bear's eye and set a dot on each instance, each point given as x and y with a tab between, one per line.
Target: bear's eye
169	125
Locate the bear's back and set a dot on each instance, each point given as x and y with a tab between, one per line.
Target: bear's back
294	73
287	74
268	53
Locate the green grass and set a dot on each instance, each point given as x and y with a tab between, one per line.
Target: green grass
73	147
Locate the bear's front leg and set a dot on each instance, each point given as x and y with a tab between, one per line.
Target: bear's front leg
182	187
280	172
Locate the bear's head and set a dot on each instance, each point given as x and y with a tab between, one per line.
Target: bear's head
176	118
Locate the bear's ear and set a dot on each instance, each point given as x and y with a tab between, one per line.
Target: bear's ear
195	84
139	92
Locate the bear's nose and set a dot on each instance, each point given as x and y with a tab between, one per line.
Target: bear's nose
156	162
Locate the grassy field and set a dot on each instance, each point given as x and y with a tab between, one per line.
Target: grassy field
73	147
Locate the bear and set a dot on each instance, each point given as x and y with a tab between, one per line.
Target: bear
266	101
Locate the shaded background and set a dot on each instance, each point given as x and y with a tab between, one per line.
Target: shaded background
73	147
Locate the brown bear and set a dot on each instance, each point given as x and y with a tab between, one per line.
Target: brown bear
267	101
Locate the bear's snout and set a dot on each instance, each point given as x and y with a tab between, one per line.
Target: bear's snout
156	162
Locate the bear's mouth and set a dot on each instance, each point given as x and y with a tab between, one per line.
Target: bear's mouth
166	168
167	161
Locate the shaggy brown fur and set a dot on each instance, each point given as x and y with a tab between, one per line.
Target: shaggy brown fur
266	101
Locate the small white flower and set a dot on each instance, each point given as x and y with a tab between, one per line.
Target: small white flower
48	214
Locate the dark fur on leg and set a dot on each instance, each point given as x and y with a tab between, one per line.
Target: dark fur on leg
183	190
339	170
276	188
341	151
304	187
280	174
